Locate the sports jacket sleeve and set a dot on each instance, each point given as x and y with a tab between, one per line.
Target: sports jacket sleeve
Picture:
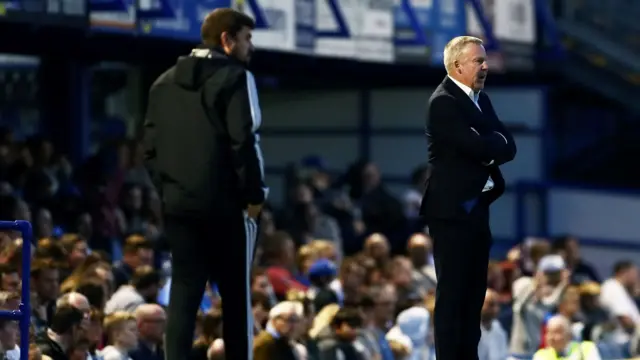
243	119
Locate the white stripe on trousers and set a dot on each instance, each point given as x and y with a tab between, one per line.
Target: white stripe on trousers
251	233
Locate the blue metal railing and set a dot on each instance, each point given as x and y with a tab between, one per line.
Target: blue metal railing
23	315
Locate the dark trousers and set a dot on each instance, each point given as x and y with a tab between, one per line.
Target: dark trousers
219	250
461	253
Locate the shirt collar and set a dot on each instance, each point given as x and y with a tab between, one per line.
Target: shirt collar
467	90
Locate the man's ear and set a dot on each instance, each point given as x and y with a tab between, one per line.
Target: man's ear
225	39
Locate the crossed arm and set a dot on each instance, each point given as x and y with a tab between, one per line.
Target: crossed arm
447	124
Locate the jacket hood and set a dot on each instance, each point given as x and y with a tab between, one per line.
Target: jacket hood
192	71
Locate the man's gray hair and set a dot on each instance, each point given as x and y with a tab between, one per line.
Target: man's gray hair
454	49
560	320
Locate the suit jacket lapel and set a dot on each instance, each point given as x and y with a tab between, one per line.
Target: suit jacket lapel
455	90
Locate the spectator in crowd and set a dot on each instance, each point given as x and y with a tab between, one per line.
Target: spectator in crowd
533	299
560	344
493	341
211	331
275	341
378	312
412	198
260	284
138	251
65	330
151	320
9	278
616	298
349	282
122	335
9	336
306	221
321	274
145	285
85	217
424	273
567	247
414	324
79	302
279	256
569	307
345	326
260	306
94	333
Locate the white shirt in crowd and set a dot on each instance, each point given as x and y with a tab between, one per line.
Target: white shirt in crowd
493	343
618	302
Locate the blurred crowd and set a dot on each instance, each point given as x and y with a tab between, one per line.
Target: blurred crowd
343	271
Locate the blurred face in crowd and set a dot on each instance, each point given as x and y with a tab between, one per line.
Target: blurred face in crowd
570	304
286	324
558	335
134	198
128	335
401	275
240	45
140	258
377	247
44	223
490	307
353	277
385	306
572	251
260	314
79	352
261	284
152	325
495	277
471	67
108	281
94	332
85	226
9	335
78	253
303	194
10	281
47	284
370	177
267	223
419	248
346	332
288	253
629	277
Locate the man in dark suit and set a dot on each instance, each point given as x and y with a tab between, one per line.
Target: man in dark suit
467	144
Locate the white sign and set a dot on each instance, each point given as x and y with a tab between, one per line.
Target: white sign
114	19
514	20
338	45
375	38
368	32
511	20
280	17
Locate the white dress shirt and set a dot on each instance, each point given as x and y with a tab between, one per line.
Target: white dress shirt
474	97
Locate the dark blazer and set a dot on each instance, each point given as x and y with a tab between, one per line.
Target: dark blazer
50	348
266	347
459	158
